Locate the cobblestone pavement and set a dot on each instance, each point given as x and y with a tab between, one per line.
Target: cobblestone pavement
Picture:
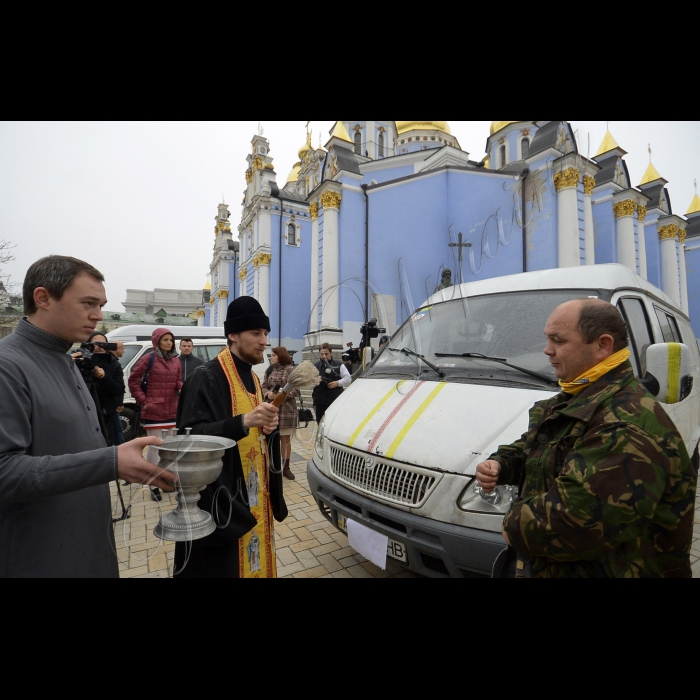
308	546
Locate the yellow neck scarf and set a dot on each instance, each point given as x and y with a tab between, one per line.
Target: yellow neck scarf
594	374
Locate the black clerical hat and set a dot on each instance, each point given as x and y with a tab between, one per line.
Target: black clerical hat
245	314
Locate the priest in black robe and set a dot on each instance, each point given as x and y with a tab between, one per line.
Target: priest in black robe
243	544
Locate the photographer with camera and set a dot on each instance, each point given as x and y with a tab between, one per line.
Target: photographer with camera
334	378
104	377
55	466
370	331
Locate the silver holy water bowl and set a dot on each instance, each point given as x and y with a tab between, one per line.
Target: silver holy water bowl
197	461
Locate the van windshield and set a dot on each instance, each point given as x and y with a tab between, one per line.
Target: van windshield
129	354
505	326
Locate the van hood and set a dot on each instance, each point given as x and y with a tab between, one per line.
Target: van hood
436	425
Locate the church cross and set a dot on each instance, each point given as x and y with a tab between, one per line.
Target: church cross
461	245
308	124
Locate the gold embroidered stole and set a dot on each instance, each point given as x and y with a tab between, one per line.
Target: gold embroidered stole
256	550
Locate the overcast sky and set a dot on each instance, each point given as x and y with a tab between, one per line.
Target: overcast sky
138	199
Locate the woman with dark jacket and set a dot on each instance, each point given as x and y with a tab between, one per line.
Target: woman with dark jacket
159	402
109	385
281	362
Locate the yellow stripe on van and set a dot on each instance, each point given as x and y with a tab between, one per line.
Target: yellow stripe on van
674	373
413	420
373	413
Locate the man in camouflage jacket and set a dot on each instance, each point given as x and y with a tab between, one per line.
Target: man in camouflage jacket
607	487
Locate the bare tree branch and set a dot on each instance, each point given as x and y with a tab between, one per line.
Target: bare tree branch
9	308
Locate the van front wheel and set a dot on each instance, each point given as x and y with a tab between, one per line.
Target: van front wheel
127	420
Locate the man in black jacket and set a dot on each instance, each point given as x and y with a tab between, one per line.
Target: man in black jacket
334	378
188	360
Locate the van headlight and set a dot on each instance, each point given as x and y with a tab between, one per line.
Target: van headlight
321	438
498	502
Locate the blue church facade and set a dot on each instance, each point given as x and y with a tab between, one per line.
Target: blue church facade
365	226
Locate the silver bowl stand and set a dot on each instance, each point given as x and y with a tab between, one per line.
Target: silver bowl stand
197	461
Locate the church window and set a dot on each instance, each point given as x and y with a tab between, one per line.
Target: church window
293	235
380	147
502	156
358	143
525	148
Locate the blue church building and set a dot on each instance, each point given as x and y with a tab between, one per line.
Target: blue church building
364	226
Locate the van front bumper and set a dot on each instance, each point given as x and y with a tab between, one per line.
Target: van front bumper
434	549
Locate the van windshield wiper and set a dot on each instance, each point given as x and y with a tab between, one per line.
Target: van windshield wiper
500	360
412	353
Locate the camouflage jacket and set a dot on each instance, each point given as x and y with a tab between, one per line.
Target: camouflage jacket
608	489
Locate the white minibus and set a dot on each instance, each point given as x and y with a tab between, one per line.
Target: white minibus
398	451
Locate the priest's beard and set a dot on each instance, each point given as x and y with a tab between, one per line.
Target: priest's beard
250	359
251	355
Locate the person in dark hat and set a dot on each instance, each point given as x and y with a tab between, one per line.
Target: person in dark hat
224	398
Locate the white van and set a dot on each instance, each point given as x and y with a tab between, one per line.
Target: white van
135	347
134	334
398	451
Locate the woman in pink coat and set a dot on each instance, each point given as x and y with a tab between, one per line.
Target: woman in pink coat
164	382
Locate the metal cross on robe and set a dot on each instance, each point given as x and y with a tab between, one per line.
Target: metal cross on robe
461	245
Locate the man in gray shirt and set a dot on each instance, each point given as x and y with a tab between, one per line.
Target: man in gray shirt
55	467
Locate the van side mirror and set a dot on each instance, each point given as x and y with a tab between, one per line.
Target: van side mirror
668	372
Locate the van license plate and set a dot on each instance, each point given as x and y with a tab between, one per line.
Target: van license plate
395	550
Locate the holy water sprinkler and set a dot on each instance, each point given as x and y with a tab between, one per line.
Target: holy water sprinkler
305	375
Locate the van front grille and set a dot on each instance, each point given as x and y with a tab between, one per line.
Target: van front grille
406	486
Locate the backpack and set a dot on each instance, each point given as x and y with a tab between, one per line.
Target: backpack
144	379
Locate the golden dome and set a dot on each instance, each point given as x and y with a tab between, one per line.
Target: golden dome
497	126
694	206
294	175
403	127
340	132
207	286
651	175
608	144
306	147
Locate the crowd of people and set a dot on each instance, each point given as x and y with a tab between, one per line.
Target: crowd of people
60	445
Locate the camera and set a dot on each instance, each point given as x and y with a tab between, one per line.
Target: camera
353	354
370	331
85	362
